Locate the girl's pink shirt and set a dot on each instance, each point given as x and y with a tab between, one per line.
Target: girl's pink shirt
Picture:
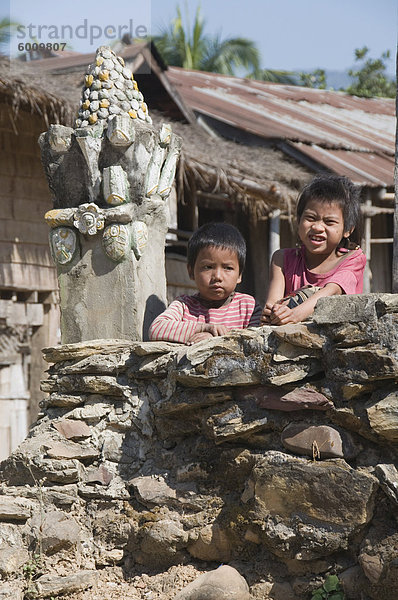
348	274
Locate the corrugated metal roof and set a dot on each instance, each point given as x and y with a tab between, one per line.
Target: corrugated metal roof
364	168
346	134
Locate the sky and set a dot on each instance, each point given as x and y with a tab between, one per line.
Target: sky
290	34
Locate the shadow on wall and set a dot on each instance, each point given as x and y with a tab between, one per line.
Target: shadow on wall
154	306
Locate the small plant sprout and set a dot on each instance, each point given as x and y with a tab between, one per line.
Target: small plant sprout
330	590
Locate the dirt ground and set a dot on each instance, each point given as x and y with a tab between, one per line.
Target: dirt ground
162	586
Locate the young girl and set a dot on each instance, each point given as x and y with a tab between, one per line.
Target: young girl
329	261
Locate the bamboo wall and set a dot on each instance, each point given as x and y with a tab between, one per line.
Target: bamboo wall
28	283
25	261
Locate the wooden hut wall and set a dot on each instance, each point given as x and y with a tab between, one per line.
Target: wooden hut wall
25	261
28	282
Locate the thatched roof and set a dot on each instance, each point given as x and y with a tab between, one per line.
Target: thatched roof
21	91
258	178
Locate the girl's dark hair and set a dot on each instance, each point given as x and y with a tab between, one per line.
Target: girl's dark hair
218	235
335	188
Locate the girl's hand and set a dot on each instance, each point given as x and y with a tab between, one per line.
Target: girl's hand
282	314
266	316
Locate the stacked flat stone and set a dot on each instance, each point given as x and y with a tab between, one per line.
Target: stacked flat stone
110	89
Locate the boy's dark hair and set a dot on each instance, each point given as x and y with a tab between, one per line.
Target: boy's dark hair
335	188
218	235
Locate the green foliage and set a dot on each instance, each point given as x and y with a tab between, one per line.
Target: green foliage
33	567
275	76
7	28
315	79
370	79
331	590
189	47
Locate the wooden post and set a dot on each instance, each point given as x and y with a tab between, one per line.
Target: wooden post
274	232
367	247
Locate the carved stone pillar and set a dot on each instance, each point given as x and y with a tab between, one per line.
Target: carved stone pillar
111	176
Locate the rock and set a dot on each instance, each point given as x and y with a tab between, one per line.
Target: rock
379	564
347	335
354	308
194	399
302	335
212	545
101	364
320	441
12	559
288	352
236	422
157	347
305	509
83	349
282	591
15	509
388	477
60	450
112	446
362	364
93	411
161	543
54	585
353	582
382	413
301	398
372	566
91	384
55	530
286	374
58	471
224	583
99	475
72	430
12	590
222	361
65	400
153	490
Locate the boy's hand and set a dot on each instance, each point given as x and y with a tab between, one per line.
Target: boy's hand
206	331
215	329
198	337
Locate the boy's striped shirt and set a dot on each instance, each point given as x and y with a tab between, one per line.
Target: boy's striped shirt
178	322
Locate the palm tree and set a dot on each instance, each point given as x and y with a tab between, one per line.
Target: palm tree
195	50
7	28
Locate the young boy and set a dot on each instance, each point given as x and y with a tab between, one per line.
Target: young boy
216	258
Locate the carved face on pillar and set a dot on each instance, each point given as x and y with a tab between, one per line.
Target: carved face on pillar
89	219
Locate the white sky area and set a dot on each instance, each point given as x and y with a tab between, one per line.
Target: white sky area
290	34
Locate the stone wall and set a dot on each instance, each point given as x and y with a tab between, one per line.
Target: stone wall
271	449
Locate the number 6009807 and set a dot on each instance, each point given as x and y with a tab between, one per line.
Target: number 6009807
27	46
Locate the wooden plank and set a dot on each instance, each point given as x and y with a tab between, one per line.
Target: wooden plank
30	254
22	232
23	187
26	121
28	277
14	164
19	144
381	240
14	209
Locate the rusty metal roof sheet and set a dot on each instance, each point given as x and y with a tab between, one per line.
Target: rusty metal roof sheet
343	133
363	168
